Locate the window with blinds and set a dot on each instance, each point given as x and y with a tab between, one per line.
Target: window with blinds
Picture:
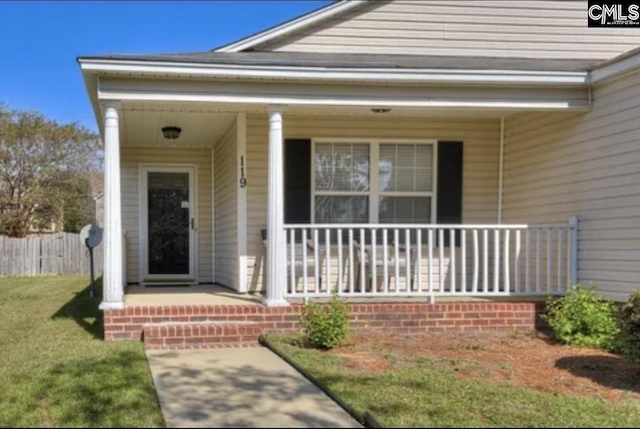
342	182
400	189
405	183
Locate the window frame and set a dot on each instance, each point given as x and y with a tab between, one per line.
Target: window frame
374	192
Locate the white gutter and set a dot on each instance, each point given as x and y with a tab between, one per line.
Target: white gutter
501	171
292	26
335	101
422	76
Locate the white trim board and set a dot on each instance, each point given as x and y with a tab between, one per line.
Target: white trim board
295	25
245	94
213	215
364	103
144	276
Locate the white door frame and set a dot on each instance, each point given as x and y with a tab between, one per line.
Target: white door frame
145	277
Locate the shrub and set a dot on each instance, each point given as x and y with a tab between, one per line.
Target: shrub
629	343
582	318
325	326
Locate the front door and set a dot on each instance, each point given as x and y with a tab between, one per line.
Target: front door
168	223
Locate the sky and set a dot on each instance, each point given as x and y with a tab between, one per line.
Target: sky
40	41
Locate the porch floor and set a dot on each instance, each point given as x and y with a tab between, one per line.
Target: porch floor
210	294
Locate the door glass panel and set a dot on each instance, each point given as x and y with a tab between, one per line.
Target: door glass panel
168	203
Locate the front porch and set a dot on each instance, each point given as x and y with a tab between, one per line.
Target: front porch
435	233
397	210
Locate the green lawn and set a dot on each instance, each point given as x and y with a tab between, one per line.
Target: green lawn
419	392
55	370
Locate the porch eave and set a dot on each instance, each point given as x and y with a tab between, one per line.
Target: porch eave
408	99
376	75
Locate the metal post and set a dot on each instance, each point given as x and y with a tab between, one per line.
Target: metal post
573	250
92	292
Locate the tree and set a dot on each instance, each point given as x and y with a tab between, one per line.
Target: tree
45	167
79	205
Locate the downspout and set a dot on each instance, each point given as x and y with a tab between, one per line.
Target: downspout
501	170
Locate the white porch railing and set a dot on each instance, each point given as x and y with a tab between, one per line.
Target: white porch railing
430	260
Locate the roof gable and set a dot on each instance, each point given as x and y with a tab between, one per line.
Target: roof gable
292	26
548	29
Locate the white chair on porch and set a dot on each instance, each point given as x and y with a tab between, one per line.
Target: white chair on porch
300	265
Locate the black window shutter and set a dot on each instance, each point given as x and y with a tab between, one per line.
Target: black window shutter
449	196
297	181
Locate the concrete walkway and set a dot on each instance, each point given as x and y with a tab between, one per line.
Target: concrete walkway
247	387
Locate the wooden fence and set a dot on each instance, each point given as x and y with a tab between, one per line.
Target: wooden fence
54	254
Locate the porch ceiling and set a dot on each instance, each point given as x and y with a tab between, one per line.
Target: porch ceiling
141	124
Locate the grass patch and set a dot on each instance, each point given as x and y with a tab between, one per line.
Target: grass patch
57	371
420	392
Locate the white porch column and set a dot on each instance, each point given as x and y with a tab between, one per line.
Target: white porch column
113	288
276	240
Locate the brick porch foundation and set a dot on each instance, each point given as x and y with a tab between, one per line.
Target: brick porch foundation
220	325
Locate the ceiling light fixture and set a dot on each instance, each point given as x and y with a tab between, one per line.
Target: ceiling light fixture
171	133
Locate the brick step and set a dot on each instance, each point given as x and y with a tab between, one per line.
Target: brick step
198	335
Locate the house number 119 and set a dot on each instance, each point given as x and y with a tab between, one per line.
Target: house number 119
243	181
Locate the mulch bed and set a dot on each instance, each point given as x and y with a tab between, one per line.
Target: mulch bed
529	360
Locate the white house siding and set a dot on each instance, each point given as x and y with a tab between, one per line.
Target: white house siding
589	165
226	219
131	157
521	29
480	170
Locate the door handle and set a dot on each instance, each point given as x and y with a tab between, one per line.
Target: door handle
193	223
